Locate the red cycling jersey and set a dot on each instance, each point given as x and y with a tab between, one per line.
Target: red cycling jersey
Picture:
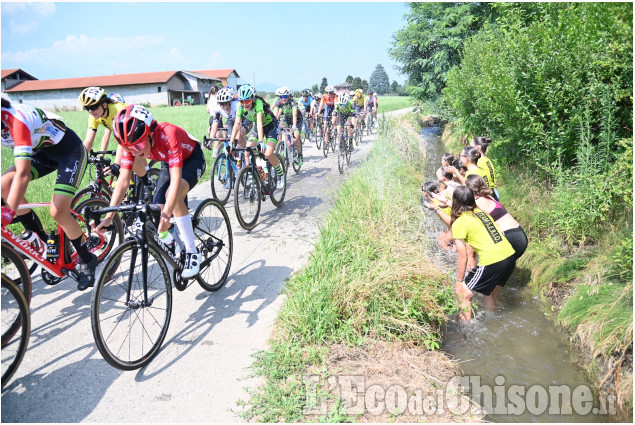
329	99
172	144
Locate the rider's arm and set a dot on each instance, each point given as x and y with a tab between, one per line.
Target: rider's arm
90	139
295	116
19	184
105	139
261	132
171	198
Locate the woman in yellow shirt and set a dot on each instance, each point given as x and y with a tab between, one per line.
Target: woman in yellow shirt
496	259
481	144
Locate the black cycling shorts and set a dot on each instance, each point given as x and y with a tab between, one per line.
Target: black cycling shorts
192	171
518	240
342	118
484	279
68	157
271	132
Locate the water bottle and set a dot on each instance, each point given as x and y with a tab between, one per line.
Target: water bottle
167	239
51	247
32	239
239	161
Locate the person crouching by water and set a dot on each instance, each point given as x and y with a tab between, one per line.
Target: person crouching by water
496	259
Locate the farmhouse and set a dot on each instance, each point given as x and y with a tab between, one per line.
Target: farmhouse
149	88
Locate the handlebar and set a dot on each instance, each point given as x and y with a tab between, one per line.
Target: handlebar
93	153
151	209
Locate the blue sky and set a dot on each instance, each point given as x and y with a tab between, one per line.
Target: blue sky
293	44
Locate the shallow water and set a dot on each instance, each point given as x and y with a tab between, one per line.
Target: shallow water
517	345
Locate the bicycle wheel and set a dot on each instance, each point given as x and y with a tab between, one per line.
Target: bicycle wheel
325	145
348	142
214	241
89	193
15	268
341	154
128	330
282	151
317	133
277	195
222	179
14	309
153	176
101	244
247	198
332	136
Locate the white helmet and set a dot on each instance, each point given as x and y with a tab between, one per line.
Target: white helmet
329	89
278	91
343	98
226	94
351	93
284	91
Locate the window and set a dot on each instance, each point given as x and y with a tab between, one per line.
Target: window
159	89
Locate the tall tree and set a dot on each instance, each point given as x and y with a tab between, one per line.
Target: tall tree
379	81
394	86
315	88
349	79
365	86
430	44
357	84
323	85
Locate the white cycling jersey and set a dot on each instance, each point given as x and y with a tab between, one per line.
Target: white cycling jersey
28	128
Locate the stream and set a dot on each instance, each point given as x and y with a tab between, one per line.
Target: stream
517	345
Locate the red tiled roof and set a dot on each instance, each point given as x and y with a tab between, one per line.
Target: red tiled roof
8	72
218	73
104	81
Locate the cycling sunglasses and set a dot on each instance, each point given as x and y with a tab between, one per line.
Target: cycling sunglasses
137	147
246	102
92	107
284	96
224	104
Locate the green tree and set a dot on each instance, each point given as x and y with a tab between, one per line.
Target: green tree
394	87
365	86
323	85
349	79
430	44
357	84
379	81
314	88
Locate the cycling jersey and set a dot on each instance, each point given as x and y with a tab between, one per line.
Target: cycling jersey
371	102
258	107
478	229
219	113
346	110
359	101
486	164
30	129
315	104
329	99
287	111
172	144
305	105
113	108
479	172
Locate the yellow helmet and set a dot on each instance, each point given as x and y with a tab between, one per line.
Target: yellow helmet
359	92
92	96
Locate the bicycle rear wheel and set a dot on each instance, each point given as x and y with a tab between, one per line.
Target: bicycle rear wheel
14	267
14	309
277	195
318	134
348	142
128	330
247	198
222	179
214	241
341	154
101	244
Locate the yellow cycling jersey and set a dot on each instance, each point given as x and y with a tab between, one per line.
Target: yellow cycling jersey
486	164
359	101
113	108
478	229
480	172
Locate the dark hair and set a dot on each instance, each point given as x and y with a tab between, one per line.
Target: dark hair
471	153
457	164
6	103
482	142
448	157
431	187
213	90
478	185
265	106
462	201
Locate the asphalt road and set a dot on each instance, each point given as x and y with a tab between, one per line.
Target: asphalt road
202	370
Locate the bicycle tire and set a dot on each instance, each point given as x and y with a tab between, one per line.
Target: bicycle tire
277	195
318	136
341	154
96	243
247	198
153	176
14	304
129	337
213	233
349	150
325	147
333	136
14	267
89	193
222	179
282	151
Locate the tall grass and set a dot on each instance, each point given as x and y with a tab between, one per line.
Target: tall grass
367	277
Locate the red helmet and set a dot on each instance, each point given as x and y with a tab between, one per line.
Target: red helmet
132	125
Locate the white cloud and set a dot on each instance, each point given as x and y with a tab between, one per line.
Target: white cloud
42	9
26	17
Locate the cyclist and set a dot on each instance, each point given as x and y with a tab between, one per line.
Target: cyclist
116	98
313	109
102	110
42	145
287	108
328	104
264	124
358	102
182	165
370	105
226	108
304	105
344	114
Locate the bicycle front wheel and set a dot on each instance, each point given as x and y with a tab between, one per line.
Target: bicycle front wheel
129	327
341	154
214	241
101	244
222	179
278	194
14	267
14	309
247	199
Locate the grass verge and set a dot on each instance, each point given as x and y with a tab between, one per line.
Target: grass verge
366	292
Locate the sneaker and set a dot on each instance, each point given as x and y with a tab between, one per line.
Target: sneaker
87	273
192	265
280	182
300	160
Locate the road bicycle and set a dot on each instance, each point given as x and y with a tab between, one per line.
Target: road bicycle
131	305
255	182
224	171
329	132
318	134
345	149
59	259
285	148
15	315
371	122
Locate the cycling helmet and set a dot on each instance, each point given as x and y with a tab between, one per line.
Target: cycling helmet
329	89
284	91
246	92
116	97
225	95
92	96
277	92
359	92
132	125
351	94
343	98
306	93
